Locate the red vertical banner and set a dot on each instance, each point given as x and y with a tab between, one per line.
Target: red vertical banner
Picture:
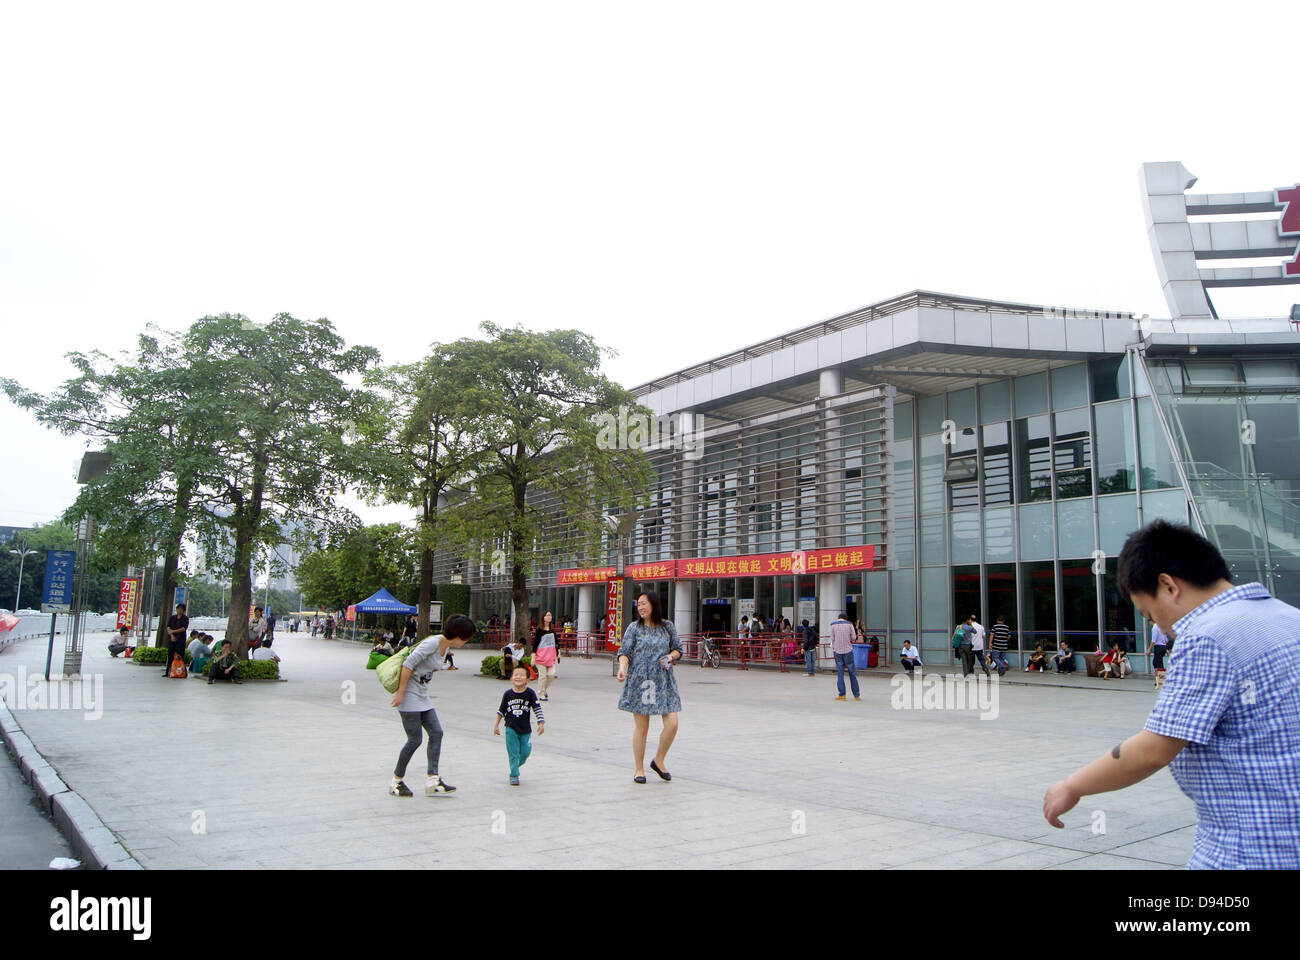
352	613
127	598
613	613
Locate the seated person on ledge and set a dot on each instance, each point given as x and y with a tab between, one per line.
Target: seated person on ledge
264	652
1064	659
1037	660
200	652
910	656
1114	664
511	654
225	666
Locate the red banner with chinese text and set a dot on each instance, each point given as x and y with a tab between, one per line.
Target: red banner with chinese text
831	560
127	600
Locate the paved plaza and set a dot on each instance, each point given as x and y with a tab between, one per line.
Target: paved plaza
769	772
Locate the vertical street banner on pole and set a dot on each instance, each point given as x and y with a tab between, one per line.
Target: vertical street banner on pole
613	613
128	599
178	598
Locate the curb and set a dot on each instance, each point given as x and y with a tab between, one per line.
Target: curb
92	842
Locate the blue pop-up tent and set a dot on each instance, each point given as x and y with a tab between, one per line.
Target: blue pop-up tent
381	601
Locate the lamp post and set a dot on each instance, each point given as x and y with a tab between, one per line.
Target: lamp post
22	556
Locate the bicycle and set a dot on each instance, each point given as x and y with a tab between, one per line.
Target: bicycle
709	656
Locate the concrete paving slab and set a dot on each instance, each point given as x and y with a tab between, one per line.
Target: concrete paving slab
760	755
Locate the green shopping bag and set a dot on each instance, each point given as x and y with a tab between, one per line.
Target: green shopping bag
390	671
376	658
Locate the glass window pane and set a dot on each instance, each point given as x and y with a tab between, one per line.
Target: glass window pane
961	407
933	549
933	493
1072	454
966	537
966	596
1121	618
934	598
903	544
1038	605
1033	460
1109	378
1270	373
1153	451
930	414
1116	518
1002	598
902	420
1116	471
1036	532
1210	373
1168	505
874	587
1079	604
1070	387
1031	394
996	471
1074	529
999	535
904	481
995	401
903	599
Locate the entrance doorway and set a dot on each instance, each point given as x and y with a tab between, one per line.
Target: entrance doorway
715	617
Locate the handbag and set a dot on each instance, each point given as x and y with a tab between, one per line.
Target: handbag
390	671
177	671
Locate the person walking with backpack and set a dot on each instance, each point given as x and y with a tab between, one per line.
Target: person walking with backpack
412	703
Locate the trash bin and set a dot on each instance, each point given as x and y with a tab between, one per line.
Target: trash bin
861	656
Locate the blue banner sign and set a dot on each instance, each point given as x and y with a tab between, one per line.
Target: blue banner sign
56	597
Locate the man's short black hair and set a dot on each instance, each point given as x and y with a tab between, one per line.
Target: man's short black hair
1172	548
459	627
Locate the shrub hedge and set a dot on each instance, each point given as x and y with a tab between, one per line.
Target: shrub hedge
255	670
491	666
248	669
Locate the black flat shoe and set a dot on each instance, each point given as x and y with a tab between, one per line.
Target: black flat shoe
663	775
638	779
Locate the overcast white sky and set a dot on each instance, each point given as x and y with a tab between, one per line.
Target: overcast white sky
678	179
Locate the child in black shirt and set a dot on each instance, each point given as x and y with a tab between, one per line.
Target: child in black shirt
515	704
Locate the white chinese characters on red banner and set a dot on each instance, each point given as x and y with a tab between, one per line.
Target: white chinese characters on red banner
829	560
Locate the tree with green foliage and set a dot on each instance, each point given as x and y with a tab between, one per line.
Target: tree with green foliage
148	414
282	458
531	403
358	562
419	450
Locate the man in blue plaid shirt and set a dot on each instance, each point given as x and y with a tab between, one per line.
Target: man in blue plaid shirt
1227	721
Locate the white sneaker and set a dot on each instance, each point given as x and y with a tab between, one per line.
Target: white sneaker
434	785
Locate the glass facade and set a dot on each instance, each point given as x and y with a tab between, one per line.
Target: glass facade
1235	424
1009	497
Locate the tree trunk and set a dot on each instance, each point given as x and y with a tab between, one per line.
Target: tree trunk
171	562
241	592
426	591
519	597
248	520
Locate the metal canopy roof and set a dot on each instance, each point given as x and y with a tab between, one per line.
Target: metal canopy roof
908	301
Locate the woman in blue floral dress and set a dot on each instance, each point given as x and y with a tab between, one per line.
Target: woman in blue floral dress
645	667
